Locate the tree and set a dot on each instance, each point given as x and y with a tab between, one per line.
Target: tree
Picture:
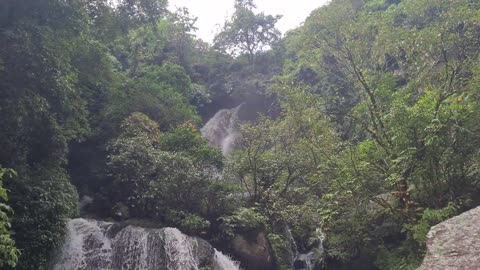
246	32
43	110
154	172
412	131
283	165
43	203
142	11
161	92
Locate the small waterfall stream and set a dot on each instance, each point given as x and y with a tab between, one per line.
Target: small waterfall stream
221	130
97	245
291	244
307	260
223	262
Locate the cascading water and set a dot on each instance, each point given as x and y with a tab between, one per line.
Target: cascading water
221	130
86	246
291	244
315	255
96	245
223	262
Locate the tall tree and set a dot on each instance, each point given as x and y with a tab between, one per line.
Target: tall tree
142	11
246	32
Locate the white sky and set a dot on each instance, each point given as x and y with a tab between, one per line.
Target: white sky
212	13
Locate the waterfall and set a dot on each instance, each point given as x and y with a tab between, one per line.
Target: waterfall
221	130
314	256
291	244
180	250
97	245
223	262
86	246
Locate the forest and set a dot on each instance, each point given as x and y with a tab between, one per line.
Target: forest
357	132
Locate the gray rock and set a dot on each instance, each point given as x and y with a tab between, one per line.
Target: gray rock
204	252
120	211
455	243
253	251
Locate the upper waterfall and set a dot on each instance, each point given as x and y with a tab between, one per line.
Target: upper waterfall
97	245
221	130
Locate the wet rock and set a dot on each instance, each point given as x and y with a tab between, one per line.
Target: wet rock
254	252
299	264
205	252
120	212
455	243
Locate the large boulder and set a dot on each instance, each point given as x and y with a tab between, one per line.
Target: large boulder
455	243
253	251
204	252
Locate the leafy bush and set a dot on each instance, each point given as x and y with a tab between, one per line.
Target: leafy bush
43	203
243	220
154	172
187	222
404	257
8	252
431	217
280	250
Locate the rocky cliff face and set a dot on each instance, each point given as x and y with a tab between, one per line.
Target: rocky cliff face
455	243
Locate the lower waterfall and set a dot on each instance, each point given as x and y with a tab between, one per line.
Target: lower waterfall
307	260
223	262
97	245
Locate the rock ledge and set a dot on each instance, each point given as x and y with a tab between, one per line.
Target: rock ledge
454	243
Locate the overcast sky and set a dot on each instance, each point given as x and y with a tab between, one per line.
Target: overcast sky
212	13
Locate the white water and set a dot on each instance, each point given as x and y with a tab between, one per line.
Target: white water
306	261
292	245
223	262
178	247
221	130
75	256
96	245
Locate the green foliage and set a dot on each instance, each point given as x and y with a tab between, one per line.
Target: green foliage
43	203
165	101
281	250
431	217
243	220
8	252
400	258
70	72
111	93
278	154
247	32
154	172
142	11
397	77
187	139
42	111
188	223
221	199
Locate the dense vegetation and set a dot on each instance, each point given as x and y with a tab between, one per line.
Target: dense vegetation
369	130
